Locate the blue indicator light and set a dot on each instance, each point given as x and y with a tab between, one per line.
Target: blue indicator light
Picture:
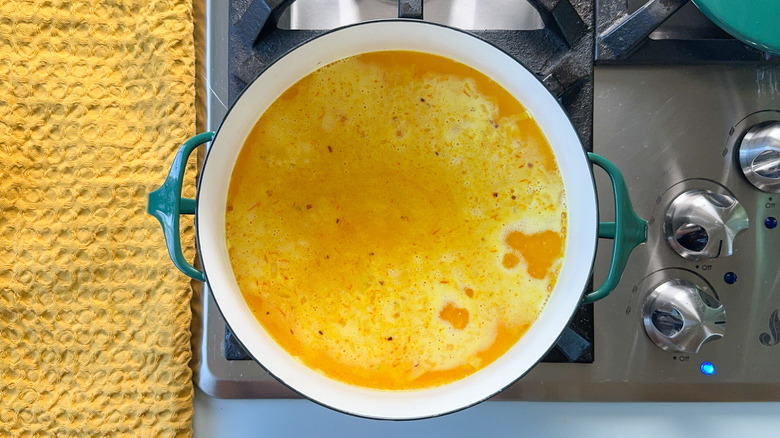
770	222
707	368
730	277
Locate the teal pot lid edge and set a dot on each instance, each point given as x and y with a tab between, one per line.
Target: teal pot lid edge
756	22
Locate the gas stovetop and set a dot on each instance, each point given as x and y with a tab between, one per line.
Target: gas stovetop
671	105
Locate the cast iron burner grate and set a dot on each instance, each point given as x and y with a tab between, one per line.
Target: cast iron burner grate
665	32
575	345
560	54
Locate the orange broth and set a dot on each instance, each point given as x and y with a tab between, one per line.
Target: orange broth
396	220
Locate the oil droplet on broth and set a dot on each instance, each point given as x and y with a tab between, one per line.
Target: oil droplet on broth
539	250
458	317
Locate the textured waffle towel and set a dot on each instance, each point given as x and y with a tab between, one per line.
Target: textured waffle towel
95	97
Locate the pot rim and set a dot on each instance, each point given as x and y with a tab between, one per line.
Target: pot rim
412	396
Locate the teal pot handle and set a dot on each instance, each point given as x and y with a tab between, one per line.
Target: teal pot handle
628	230
166	204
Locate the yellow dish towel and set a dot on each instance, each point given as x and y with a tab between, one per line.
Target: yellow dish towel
95	97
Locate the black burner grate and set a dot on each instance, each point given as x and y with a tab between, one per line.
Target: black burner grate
561	54
575	345
665	32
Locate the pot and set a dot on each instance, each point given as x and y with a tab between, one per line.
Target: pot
755	22
583	228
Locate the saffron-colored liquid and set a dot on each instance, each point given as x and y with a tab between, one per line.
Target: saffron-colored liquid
396	220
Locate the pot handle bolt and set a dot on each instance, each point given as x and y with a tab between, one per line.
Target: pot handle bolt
628	230
166	204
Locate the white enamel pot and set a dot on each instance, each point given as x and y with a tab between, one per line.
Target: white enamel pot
583	228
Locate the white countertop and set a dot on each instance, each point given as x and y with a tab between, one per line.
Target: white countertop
302	418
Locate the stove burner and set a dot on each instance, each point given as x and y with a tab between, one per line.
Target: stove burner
575	344
665	32
560	54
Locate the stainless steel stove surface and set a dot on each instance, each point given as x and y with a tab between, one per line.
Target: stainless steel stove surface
463	14
681	129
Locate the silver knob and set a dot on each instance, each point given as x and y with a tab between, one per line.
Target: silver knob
679	316
701	225
759	156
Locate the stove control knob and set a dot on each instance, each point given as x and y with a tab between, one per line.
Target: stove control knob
701	225
759	156
679	316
